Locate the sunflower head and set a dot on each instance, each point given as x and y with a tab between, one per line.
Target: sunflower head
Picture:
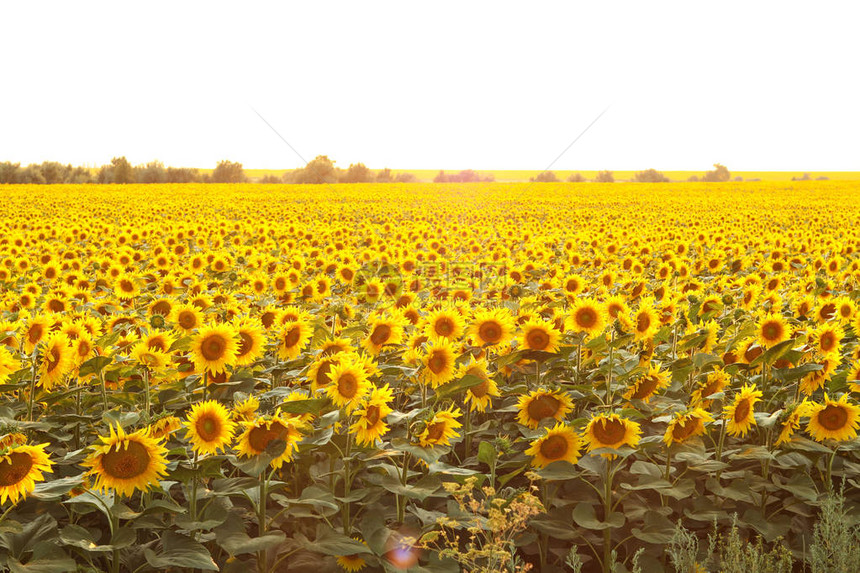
540	404
213	348
587	316
127	462
611	431
833	419
441	428
209	427
265	432
558	443
21	466
739	415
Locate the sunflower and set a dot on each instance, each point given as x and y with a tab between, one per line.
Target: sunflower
126	287
444	324
441	428
588	316
208	427
381	332
252	340
244	410
370	425
645	321
481	395
572	285
617	309
817	379
492	327
352	562
21	466
540	404
8	364
259	434
348	384
293	339
57	361
187	317
648	385
772	329
611	431
845	308
825	310
739	416
790	420
160	340
36	330
213	348
148	357
685	425
438	362
558	443
833	420
827	338
161	305
539	335
163	427
714	383
126	462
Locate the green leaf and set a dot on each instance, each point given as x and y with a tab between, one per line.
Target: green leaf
47	557
232	538
584	516
312	406
94	365
331	542
180	551
487	453
467	381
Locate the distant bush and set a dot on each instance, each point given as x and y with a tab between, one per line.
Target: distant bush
182	175
650	176
318	171
718	175
604	177
406	177
357	173
739	178
822	178
576	178
693	178
544	177
152	172
228	172
269	179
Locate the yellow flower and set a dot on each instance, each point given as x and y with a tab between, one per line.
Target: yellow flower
833	420
645	321
370	425
772	329
686	425
588	316
791	421
539	335
126	462
57	361
540	404
492	327
21	466
382	332
260	433
8	364
441	428
252	341
444	324
611	431
244	410
213	348
438	362
293	339
348	386
739	416
481	395
187	318
648	385
208	427
558	443
715	382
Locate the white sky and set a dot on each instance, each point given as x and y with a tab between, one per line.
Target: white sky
454	85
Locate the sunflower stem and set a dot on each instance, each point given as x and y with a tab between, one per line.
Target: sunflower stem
607	510
401	501
347	486
32	389
668	462
830	470
468	433
261	519
147	398
194	489
78	413
609	374
104	390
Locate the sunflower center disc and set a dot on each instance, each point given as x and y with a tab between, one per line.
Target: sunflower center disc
444	327
126	462
537	339
681	433
372	415
208	428
643	322
213	347
479	390
292	337
380	334
490	332
437	362
435	431
245	343
833	418
543	407
585	317
646	387
260	438
187	320
742	411
609	432
554	447
13	471
347	386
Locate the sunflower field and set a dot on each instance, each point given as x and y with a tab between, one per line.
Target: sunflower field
432	378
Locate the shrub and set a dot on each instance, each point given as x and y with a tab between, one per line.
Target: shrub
650	176
228	172
545	177
718	175
576	178
604	177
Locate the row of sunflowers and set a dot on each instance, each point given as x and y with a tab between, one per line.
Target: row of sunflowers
423	377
